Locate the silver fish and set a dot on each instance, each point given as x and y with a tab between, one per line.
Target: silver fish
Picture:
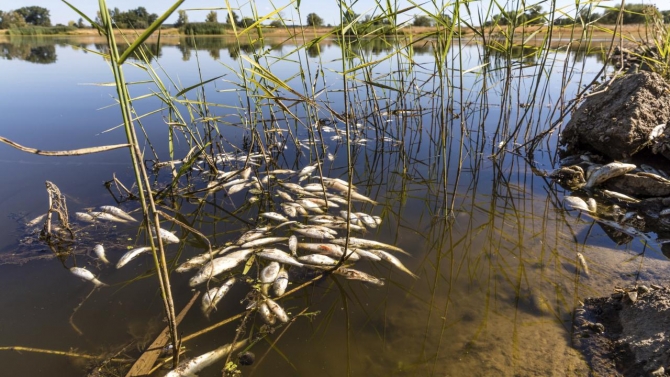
281	282
106	216
252	235
377	219
236	188
277	310
324	219
219	266
367	255
321	203
270	272
263	242
620	196
367	219
167	236
592	205
36	220
190	368
132	254
235	182
307	170
199	260
245	173
293	244
100	253
363	243
266	314
314	187
656	132
611	170
352	274
118	212
212	297
337	199
394	261
314	233
86	275
317	260
289	210
282	171
582	263
284	196
329	249
574	202
279	256
273	216
85	217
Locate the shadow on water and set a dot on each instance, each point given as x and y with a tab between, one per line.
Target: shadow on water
438	137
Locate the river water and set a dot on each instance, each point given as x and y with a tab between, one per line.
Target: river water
494	251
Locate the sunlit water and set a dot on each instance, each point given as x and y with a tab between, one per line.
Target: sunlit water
495	253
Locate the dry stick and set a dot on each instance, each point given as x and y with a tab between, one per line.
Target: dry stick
144	364
60	353
77	308
74	152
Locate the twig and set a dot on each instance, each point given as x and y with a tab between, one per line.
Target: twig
74	152
77	308
61	353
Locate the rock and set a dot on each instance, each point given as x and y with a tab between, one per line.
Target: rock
617	122
638	185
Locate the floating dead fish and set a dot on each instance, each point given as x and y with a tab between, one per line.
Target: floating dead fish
367	255
620	196
656	132
290	211
324	219
273	216
190	368
252	235
263	242
377	219
132	254
266	314
278	256
236	188
219	266
592	205
270	272
245	173
394	261
314	187
582	264
574	202
118	212
280	283
307	171
106	216
363	243
317	260
314	233
352	274
36	220
367	219
293	244
611	170
86	275
99	251
284	196
329	249
212	297
167	236
277	310
199	260
85	217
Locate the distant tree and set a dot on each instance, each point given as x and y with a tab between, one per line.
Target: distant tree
35	15
80	23
212	17
71	23
138	18
666	16
534	15
586	16
276	23
11	19
182	20
313	19
236	19
633	14
246	22
422	21
444	20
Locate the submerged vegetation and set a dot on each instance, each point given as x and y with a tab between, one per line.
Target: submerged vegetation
383	127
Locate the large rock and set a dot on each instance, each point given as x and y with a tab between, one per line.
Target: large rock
617	122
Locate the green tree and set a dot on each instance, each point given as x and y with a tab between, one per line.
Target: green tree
80	23
182	20
11	19
276	23
236	19
212	17
35	15
246	22
313	19
666	16
633	14
422	21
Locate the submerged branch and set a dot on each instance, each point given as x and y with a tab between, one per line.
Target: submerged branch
74	152
61	353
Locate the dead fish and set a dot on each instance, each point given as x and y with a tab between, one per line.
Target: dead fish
85	217
314	233
106	216
377	219
582	263
199	260
317	260
118	212
337	184
363	243
343	225
266	314
278	256
212	297
263	242
132	254
367	255
100	253
309	205
219	266
290	211
167	236
329	249
236	188
352	274
656	132
282	171
284	196
307	171
367	219
190	368
337	199
360	198
394	261
293	244
273	216
321	203
574	202
86	275
620	196
280	283
314	187
252	235
611	170
629	230
324	219
36	220
245	173
277	310
270	272
592	205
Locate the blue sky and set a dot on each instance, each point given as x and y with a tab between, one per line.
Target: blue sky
326	9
